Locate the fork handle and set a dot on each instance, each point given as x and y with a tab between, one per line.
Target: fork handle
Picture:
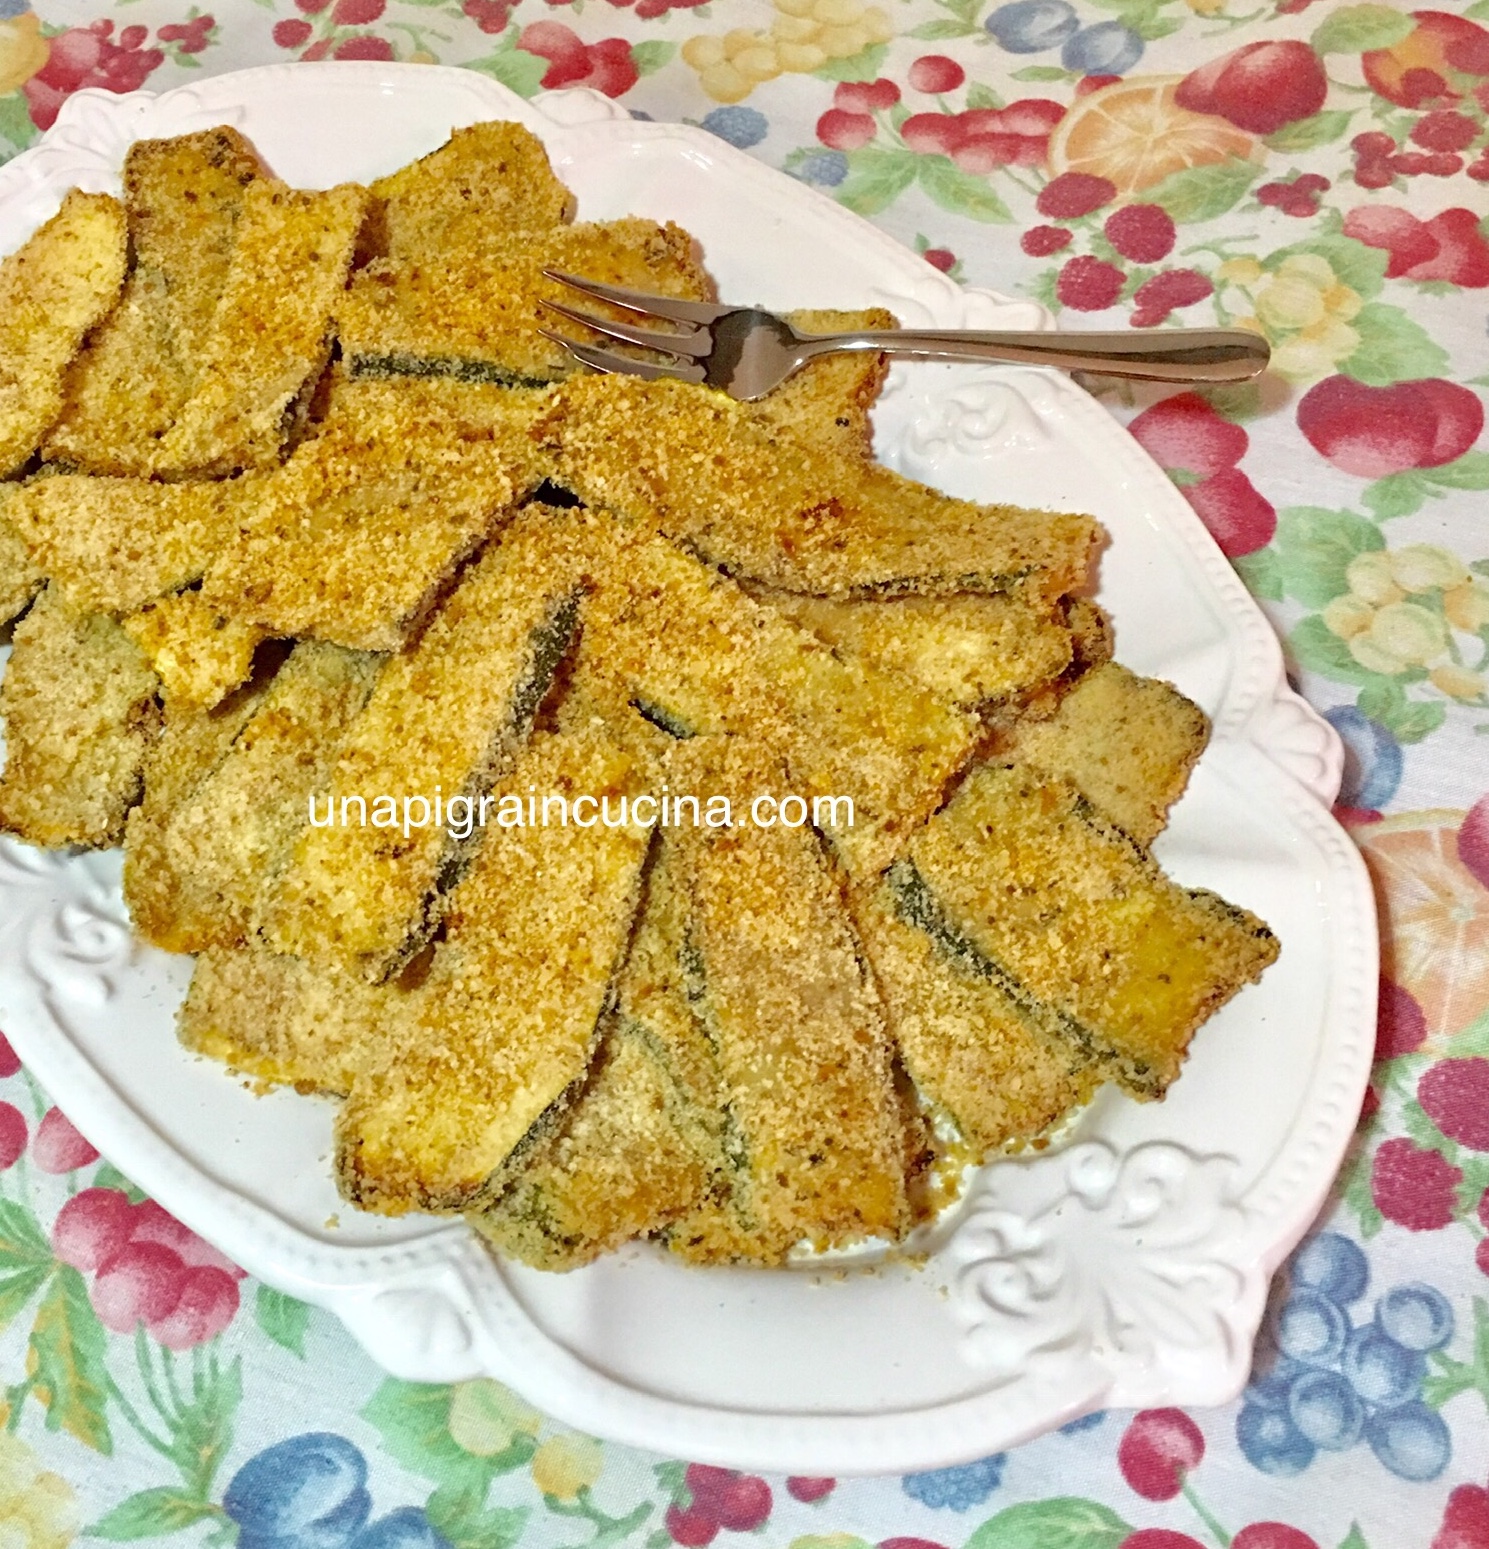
1144	354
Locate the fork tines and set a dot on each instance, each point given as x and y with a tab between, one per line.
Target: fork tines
684	344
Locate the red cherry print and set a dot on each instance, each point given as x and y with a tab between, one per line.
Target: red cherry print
692	1527
1412	1187
10	1061
935	73
142	1283
866	96
1446	130
1465	1519
207	1303
706	1483
1185	433
1240	519
1157	1449
744	1503
1272	1535
58	1147
92	1228
1400	1027
930	134
844	131
363	47
808	1488
941	258
1259	86
1481	1255
357	13
12	1135
1159	1538
292	32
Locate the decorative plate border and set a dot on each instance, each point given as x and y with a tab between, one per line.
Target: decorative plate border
1050	1325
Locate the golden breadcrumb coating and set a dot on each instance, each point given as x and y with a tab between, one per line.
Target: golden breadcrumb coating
114	545
1066	911
1000	1074
482	185
763	504
479	319
200	654
79	705
774	972
271	334
829	400
279	1019
645	1140
971	650
1126	743
696	655
501	1032
64	281
447	715
353	538
184	197
201	874
21	578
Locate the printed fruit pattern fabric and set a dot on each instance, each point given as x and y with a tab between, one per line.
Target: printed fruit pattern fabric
1313	170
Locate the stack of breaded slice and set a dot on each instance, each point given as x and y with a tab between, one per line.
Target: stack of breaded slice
310	541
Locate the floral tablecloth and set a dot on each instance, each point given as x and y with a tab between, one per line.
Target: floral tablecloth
1314	170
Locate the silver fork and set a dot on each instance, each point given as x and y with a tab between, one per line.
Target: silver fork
747	351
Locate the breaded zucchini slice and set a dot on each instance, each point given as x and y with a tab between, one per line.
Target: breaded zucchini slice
201	872
21	578
646	1140
1126	743
620	1168
63	282
447	716
694	654
774	973
971	650
999	1069
80	709
500	1033
114	545
828	401
476	316
482	185
1070	914
765	505
354	537
199	654
280	1020
184	197
271	333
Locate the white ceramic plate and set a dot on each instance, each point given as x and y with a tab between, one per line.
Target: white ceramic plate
1128	1268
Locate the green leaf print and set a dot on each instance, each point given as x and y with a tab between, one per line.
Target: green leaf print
1063	1522
1354	1539
282	1318
413	1419
1410	720
461	1516
1308	134
1041	73
1362	268
202	1427
1316	647
1314	548
23	1244
1263	574
876	178
152	1514
963	193
1356	29
1471	471
1392	348
650	56
864	66
1356	1196
1398	494
514	67
17	1289
15	121
981	95
1202	193
70	1377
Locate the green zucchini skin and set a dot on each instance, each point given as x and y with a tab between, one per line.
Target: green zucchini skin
456	368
